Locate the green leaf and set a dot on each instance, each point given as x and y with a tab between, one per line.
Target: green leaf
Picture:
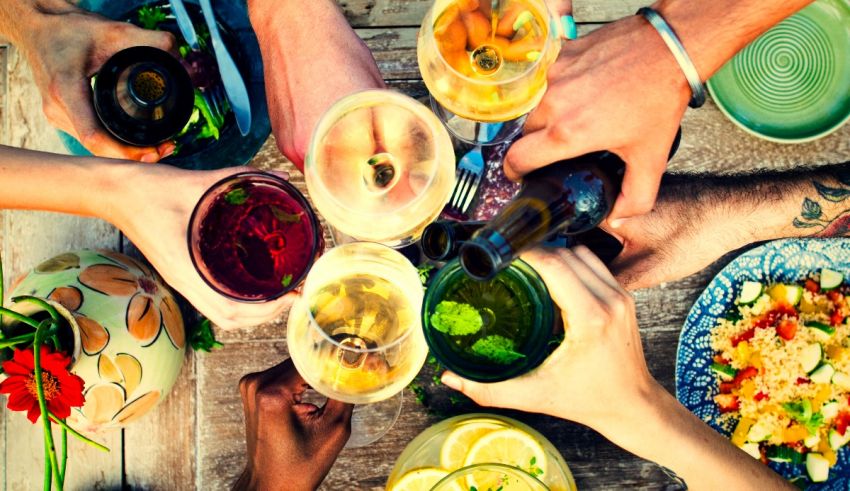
497	349
286	217
533	461
456	319
202	337
286	280
150	17
832	194
236	197
425	273
811	209
814	423
801	224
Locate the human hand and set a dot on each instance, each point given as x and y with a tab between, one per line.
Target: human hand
291	445
617	89
152	205
307	70
600	366
65	46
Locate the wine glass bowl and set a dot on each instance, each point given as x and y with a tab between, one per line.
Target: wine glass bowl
355	334
486	63
380	167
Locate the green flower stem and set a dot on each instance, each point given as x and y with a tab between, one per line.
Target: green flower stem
64	462
77	434
19	317
42	403
41	303
2	296
12	342
48	475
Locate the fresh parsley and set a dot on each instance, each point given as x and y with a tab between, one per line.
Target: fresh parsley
203	337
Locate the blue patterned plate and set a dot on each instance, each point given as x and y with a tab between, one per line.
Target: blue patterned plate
786	260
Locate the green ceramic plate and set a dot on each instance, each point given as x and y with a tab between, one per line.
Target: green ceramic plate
792	84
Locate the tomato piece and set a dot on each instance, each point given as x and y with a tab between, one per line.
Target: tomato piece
727	402
837	318
802	380
786	329
841	421
760	396
812	286
726	387
744	374
835	296
721	360
744	336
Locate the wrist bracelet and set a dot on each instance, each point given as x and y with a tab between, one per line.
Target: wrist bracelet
672	41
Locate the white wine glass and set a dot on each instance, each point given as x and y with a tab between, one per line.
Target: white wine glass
355	333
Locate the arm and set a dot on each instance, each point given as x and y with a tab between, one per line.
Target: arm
620	89
65	46
697	219
598	377
150	204
307	68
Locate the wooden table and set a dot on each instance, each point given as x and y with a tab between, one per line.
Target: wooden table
195	440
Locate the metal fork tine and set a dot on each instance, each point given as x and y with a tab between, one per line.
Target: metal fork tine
463	175
473	188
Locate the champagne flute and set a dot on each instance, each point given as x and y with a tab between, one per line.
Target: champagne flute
355	333
485	64
380	167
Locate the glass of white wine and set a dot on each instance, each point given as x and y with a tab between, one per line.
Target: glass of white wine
355	333
380	167
485	64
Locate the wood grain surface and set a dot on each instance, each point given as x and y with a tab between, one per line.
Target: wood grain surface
195	439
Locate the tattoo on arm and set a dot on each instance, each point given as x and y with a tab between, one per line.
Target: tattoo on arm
828	195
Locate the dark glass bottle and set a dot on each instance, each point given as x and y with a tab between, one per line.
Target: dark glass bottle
143	96
572	197
441	240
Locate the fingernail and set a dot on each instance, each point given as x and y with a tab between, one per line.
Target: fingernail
616	223
451	381
150	158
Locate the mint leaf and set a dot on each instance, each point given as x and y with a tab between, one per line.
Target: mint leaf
236	197
497	349
286	280
284	216
202	337
456	319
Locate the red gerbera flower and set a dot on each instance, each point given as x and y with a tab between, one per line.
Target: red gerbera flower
62	389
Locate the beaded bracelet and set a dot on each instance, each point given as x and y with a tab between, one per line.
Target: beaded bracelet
679	53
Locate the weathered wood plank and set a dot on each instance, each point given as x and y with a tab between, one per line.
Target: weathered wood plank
30	237
159	449
4	52
389	13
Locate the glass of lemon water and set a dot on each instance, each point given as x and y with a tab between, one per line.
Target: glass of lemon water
355	333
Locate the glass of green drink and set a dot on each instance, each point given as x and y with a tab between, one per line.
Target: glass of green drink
488	330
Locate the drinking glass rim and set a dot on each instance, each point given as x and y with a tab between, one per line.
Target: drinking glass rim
293	192
469	469
315	325
550	18
372	97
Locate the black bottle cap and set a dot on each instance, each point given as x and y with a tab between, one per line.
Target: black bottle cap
143	96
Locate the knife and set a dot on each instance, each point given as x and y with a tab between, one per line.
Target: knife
234	86
184	22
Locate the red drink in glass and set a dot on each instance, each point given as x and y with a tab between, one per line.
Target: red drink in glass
253	237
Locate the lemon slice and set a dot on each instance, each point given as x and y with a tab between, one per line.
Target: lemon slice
423	480
511	447
456	446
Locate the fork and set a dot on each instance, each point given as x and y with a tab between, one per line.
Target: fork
470	170
217	101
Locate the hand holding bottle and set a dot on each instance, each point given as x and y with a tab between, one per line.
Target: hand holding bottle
65	46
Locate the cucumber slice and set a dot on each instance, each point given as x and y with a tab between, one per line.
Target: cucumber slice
830	280
750	292
726	372
817	467
836	440
822	331
811	441
822	374
841	379
752	450
810	357
783	454
759	432
829	410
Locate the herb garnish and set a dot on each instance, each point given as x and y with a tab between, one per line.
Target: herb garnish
236	197
286	280
284	216
150	17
